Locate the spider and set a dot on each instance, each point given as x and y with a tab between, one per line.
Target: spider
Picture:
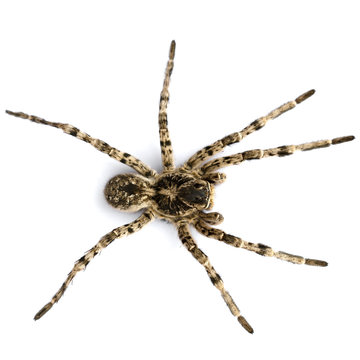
182	195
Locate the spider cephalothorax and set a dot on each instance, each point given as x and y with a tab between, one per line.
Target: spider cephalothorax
178	194
181	195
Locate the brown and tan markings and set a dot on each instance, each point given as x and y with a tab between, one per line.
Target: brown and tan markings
182	195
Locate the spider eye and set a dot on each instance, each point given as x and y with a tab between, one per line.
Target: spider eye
198	186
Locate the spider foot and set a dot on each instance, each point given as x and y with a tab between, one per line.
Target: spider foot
304	96
172	50
17	114
313	262
43	311
245	324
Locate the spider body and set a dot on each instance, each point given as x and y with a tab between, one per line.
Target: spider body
128	192
173	195
181	195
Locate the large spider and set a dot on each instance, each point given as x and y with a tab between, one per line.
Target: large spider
180	195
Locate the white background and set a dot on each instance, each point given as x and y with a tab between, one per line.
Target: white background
99	65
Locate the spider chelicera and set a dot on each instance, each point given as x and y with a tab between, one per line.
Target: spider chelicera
181	195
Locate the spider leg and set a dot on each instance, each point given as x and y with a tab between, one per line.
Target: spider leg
165	143
212	218
260	249
100	145
106	240
191	246
213	149
278	151
214	178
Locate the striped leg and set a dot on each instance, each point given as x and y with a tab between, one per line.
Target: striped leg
278	151
81	264
212	218
213	149
260	249
165	143
214	178
189	243
102	146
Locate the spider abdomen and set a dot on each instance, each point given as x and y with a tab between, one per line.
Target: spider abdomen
128	192
180	194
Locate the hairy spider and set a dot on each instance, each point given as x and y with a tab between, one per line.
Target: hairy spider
180	195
